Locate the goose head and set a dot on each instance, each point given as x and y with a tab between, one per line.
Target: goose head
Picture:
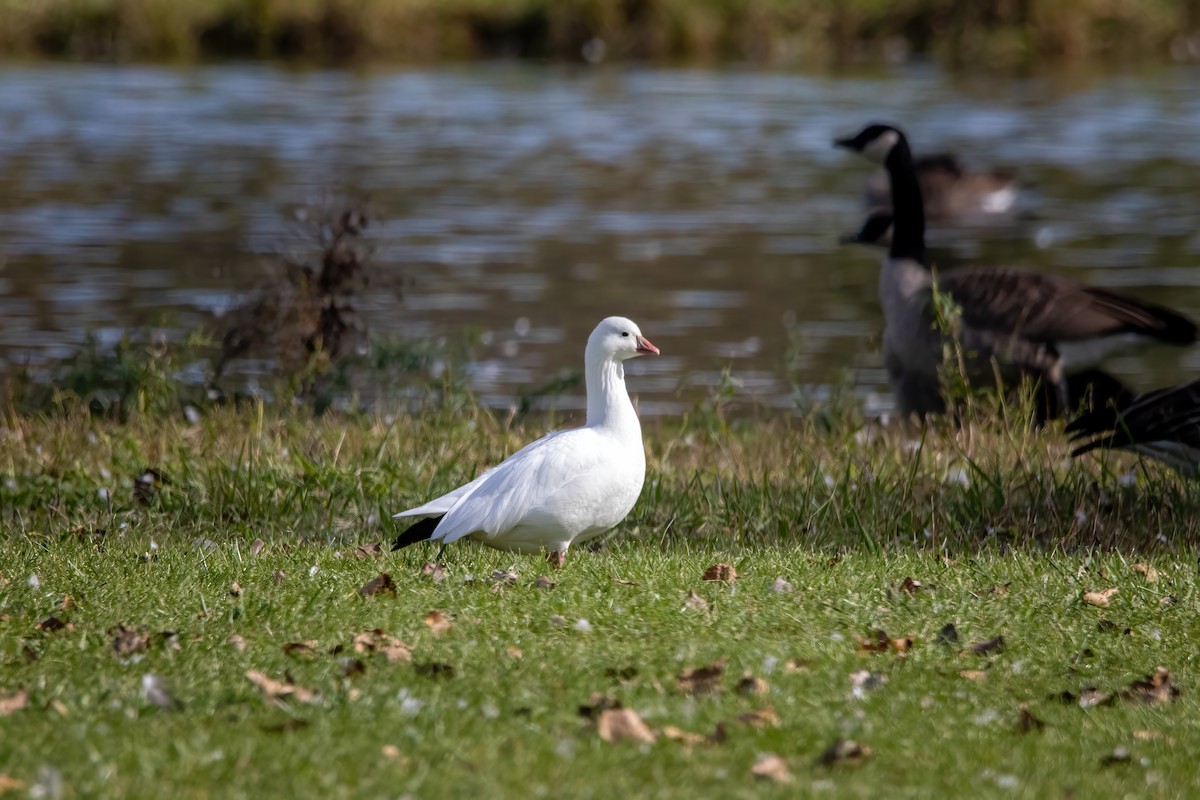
875	142
618	338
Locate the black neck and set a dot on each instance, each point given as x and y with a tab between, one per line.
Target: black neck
908	231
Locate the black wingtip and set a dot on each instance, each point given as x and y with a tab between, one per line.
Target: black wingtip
420	532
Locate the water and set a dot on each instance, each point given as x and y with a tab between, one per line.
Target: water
530	202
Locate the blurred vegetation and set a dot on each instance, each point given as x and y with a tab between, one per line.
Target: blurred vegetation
958	32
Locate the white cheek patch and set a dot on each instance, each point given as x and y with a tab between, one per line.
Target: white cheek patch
878	148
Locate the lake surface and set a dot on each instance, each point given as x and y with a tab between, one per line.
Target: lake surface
529	202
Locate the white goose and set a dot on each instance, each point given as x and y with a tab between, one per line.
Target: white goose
568	486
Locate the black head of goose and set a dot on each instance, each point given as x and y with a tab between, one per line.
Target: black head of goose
950	191
1163	425
1025	323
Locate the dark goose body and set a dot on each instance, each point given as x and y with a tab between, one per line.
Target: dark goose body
1163	425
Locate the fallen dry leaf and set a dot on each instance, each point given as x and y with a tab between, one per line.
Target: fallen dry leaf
618	724
721	572
280	576
864	681
273	689
373	550
771	767
1001	588
505	577
948	635
127	640
390	751
12	703
60	707
875	642
437	622
10	784
843	751
973	674
544	582
257	546
376	641
765	717
987	647
1027	722
1150	736
1146	571
624	582
1089	697
695	602
381	583
671	733
237	641
306	649
797	665
1099	598
903	644
67	603
1156	688
751	685
558	620
50	624
353	667
701	680
435	571
598	703
513	652
908	586
235	590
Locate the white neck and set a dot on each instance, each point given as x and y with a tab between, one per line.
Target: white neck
608	404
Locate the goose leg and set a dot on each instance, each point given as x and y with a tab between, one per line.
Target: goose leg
438	558
557	558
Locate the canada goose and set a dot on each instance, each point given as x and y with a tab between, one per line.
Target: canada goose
876	229
949	190
1011	321
1163	425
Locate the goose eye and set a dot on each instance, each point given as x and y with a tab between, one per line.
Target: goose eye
625	333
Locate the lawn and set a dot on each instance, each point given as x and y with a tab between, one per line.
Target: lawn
220	627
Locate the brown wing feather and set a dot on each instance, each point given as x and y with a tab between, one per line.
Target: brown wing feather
1048	308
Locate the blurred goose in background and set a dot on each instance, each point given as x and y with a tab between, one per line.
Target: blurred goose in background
567	487
1012	322
950	191
1163	425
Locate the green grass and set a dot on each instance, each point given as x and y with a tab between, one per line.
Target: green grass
979	34
1003	533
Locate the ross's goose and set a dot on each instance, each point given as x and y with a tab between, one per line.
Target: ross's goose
567	487
1012	322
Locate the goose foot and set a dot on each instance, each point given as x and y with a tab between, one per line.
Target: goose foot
557	559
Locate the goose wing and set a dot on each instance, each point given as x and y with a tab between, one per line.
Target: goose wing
1170	416
1048	308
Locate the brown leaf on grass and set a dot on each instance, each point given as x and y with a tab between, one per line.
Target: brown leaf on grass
10	784
257	546
1027	722
864	681
671	733
695	602
875	642
1001	588
771	767
1099	598
50	624
908	586
12	703
624	582
29	654
376	641
797	665
544	582
505	577
437	622
598	703
1151	736
987	647
1146	571
948	635
381	583
701	680
127	640
60	707
721	572
435	669
1089	697
903	644
392	753
618	724
765	717
973	674
514	652
373	550
67	603
751	685
843	751
435	571
353	667
237	641
274	690
280	576
235	590
1156	688
305	649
